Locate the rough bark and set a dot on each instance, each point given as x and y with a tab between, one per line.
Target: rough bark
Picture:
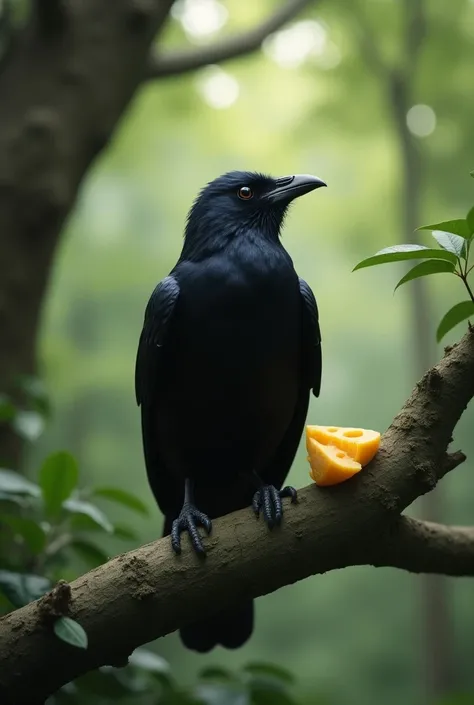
139	596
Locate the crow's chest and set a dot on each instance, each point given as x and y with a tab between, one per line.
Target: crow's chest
252	301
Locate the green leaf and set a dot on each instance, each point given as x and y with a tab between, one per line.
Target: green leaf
35	390
471	173
28	424
398	253
12	482
470	221
15	499
93	514
7	408
114	494
217	673
431	266
451	243
458	313
124	532
31	532
270	670
262	695
149	661
21	588
90	554
457	227
221	694
58	477
71	632
105	682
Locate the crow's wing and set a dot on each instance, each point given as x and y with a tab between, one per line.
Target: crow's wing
280	465
312	354
158	316
149	375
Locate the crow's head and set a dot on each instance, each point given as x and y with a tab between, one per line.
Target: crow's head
240	203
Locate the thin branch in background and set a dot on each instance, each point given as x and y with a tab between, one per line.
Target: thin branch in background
424	547
178	62
415	30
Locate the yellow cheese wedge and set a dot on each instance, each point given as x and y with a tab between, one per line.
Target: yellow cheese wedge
336	453
361	444
329	465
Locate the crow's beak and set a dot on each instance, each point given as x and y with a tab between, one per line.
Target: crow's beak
290	187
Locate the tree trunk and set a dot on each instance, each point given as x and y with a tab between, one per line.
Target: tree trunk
438	670
61	96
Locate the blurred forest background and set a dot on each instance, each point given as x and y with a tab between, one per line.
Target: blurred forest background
375	97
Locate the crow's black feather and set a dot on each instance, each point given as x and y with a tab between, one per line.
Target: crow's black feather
229	352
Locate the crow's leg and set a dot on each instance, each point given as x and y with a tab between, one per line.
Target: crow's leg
188	520
267	499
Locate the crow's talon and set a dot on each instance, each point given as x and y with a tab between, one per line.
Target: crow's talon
189	519
289	492
268	501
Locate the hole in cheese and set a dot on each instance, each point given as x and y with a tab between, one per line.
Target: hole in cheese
352	434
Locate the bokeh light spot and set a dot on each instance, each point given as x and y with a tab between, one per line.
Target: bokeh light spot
200	18
421	120
217	87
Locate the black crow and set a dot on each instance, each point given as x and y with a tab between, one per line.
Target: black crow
228	354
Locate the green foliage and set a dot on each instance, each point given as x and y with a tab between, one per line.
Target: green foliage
30	531
21	588
431	266
455	238
457	227
14	484
71	632
398	253
127	499
85	514
458	313
58	478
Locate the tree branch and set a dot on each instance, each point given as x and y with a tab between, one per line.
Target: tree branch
150	592
178	62
415	30
424	547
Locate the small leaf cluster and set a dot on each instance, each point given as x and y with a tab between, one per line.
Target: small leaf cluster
257	683
455	238
28	418
43	525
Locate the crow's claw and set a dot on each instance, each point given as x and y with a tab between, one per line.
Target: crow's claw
189	519
268	501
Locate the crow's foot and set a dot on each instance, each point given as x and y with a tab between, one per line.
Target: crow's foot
189	519
268	501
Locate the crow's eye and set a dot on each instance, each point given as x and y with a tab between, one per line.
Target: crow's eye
245	193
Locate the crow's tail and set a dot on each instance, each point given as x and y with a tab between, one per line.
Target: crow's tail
231	629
